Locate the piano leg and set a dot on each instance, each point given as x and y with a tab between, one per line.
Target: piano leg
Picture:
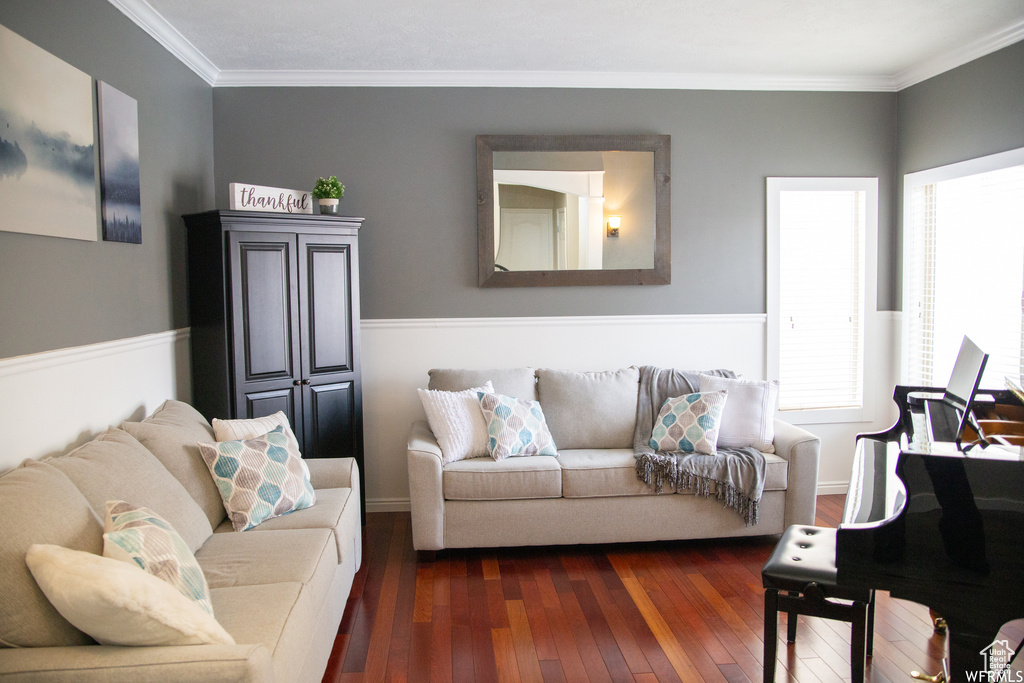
771	633
858	645
791	619
869	651
965	655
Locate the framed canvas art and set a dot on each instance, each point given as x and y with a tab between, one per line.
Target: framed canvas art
121	212
47	146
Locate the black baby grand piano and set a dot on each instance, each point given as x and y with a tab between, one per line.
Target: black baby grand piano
938	517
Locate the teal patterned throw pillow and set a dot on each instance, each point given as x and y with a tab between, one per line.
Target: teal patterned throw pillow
139	536
689	424
260	478
515	427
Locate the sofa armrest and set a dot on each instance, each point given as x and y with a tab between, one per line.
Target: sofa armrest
87	663
426	497
802	449
333	473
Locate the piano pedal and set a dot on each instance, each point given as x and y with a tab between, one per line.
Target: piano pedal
941	677
938	623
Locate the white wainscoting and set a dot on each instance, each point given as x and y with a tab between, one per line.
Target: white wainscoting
57	400
54	401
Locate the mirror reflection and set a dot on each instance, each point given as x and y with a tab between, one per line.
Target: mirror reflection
573	210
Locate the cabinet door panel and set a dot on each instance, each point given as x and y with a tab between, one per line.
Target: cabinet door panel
263	403
264	308
326	300
330	421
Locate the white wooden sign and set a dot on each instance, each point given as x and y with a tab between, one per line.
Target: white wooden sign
246	197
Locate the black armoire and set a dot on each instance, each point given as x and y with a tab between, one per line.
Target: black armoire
274	310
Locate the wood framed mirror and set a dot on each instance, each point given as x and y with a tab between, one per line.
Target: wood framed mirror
573	210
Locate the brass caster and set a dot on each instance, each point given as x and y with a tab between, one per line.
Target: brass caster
938	623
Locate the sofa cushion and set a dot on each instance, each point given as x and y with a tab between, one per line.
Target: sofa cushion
118	603
486	479
590	409
259	478
776	473
279	616
595	473
172	434
336	510
38	504
140	480
517	382
251	558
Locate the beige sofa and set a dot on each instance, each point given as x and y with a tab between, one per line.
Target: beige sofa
590	492
279	589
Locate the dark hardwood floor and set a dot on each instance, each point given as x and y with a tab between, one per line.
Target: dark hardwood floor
680	611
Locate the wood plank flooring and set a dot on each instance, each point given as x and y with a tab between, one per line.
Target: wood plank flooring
680	611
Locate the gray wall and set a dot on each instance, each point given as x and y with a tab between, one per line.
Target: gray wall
971	111
407	159
56	293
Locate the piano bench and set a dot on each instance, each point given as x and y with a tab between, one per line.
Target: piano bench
800	578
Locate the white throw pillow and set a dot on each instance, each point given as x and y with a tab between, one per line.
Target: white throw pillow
117	603
457	421
749	416
237	430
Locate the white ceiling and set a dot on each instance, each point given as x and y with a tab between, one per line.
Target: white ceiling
749	44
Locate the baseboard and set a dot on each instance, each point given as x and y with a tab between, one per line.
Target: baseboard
829	488
388	505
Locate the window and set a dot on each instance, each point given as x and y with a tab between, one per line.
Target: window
963	267
822	235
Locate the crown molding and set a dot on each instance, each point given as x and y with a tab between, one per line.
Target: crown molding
153	23
959	56
604	321
549	79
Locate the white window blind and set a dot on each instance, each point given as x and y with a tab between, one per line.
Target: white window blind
964	268
820	289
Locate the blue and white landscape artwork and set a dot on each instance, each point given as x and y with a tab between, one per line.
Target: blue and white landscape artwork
119	165
47	147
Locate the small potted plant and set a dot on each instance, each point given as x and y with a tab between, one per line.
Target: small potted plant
328	192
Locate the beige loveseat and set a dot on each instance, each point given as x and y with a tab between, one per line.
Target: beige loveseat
589	493
279	589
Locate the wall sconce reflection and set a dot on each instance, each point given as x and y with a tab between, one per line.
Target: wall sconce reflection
614	223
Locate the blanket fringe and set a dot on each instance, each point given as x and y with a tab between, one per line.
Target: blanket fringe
658	470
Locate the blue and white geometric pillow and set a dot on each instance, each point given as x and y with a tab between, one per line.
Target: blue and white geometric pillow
689	424
139	536
260	478
515	427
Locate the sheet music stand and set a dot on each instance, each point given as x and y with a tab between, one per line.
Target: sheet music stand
948	416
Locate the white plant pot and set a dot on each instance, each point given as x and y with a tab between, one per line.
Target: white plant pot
328	207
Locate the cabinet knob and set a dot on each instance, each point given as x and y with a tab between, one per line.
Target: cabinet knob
297	383
306	382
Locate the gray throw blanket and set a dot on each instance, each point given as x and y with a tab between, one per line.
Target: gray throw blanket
736	473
